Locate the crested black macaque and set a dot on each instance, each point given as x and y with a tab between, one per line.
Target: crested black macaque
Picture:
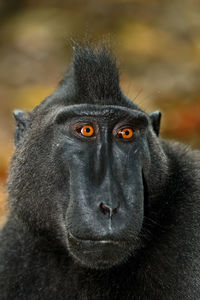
100	206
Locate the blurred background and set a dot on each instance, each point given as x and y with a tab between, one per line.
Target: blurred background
156	42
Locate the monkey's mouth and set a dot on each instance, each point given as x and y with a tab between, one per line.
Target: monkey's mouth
92	241
97	254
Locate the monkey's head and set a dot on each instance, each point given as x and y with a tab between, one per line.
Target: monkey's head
85	163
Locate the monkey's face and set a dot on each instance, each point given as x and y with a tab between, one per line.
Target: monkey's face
78	172
103	151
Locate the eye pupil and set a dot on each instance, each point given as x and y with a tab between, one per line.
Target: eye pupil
87	130
125	133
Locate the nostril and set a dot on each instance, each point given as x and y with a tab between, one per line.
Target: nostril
107	210
114	211
104	208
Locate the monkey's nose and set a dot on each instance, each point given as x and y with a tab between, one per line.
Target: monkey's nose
105	209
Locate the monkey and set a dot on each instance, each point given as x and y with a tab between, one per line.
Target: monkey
101	207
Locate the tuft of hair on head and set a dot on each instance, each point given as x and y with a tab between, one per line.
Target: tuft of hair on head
95	73
92	78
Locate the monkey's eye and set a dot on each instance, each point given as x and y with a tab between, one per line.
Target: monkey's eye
125	133
86	130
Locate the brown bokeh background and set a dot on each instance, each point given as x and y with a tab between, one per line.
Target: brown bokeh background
157	44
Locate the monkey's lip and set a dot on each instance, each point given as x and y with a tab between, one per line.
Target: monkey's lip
97	253
94	242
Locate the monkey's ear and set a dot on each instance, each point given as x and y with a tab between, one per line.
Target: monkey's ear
155	119
21	122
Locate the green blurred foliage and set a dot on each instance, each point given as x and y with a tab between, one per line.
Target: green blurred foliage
157	44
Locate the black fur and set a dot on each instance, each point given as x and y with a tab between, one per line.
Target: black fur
58	178
92	78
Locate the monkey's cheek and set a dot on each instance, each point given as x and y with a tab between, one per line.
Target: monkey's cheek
98	254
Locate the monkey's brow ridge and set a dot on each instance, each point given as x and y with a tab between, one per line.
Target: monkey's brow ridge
109	111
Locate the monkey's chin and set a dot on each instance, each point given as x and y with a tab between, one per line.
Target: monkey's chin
102	254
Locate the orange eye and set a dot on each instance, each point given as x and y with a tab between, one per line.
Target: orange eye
87	130
125	133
